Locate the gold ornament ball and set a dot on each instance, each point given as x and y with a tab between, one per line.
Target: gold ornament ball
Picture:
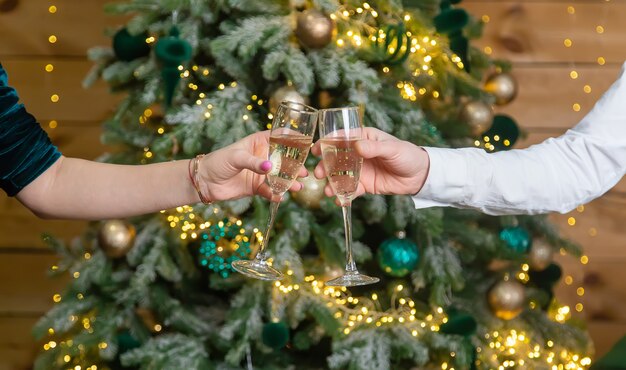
312	193
503	86
116	237
286	93
540	255
314	29
507	299
478	116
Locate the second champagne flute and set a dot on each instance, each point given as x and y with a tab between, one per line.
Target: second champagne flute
292	133
340	130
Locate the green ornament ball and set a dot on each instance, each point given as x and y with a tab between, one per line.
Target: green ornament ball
128	47
451	20
546	278
275	334
459	323
126	341
516	238
397	256
503	133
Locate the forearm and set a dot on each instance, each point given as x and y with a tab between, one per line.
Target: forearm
79	189
554	176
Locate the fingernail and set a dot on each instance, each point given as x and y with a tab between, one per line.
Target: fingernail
266	166
301	186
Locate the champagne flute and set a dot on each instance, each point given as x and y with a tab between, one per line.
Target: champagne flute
340	130
292	133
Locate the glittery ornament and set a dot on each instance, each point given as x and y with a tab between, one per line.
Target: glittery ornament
286	93
507	299
478	116
314	29
313	192
398	256
223	243
503	86
540	255
116	237
516	238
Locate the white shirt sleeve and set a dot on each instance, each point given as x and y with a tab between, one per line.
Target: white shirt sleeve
556	175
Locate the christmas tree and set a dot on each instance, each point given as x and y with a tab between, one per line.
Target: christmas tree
459	289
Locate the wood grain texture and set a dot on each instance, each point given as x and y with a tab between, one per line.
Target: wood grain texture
35	87
78	26
535	31
547	94
27	289
17	346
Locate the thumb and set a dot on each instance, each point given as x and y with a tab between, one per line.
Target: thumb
245	161
369	149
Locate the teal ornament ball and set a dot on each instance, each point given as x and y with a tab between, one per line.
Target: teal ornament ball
128	47
223	243
275	334
398	256
516	238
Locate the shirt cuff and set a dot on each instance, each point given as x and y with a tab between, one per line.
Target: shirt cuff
446	180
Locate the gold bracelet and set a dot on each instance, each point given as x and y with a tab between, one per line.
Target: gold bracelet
195	178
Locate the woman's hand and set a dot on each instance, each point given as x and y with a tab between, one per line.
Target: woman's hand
239	170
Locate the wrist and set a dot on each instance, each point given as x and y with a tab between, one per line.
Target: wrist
201	187
423	161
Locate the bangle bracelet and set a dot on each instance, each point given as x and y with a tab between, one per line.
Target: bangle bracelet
194	177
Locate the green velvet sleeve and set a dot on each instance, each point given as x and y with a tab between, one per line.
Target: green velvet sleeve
25	148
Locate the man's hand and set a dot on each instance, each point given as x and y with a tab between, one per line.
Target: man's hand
390	165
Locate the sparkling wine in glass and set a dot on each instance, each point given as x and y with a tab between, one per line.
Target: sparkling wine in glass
340	130
292	133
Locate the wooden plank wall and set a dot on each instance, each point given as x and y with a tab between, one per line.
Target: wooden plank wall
532	34
529	33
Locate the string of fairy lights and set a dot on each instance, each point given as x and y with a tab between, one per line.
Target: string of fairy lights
568	42
49	67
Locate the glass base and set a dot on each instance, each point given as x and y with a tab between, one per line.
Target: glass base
257	269
352	279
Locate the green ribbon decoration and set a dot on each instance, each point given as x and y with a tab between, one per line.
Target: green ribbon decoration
394	33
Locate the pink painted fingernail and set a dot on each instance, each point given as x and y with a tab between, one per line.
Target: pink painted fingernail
266	166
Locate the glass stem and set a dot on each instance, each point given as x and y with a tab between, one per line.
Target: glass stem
347	224
270	224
